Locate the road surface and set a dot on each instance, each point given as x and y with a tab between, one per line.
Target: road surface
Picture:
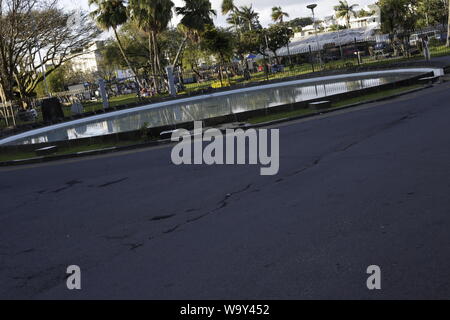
370	186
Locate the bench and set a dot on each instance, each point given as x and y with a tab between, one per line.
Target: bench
429	80
46	151
320	105
168	134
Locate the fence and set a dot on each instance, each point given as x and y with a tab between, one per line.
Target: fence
333	51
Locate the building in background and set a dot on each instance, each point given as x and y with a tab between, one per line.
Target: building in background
90	60
372	22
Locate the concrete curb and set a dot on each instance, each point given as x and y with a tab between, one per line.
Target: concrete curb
313	114
149	144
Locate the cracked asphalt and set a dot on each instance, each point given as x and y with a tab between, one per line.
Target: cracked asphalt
367	186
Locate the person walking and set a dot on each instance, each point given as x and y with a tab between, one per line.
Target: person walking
426	48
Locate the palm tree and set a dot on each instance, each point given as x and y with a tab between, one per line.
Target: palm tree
235	19
344	10
152	16
111	14
197	14
278	15
248	15
229	7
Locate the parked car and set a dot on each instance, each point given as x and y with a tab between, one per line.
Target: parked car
275	68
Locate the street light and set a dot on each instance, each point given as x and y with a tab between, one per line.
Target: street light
312	7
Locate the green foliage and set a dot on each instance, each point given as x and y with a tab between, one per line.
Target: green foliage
196	14
218	42
278	36
109	14
344	10
278	15
299	23
399	16
250	42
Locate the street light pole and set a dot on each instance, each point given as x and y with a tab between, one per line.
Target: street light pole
312	7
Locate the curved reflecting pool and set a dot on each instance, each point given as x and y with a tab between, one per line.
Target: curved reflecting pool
207	106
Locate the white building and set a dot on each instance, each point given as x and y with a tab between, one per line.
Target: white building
89	61
372	22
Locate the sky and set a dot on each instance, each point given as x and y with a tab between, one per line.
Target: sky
295	8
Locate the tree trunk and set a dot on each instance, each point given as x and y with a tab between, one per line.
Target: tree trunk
157	68
156	52
150	61
448	27
180	50
277	58
221	75
126	58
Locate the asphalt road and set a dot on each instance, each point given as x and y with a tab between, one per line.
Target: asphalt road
365	187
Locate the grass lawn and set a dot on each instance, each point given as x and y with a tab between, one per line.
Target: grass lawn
301	112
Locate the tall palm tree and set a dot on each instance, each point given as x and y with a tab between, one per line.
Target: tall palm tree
248	15
344	10
152	16
111	14
196	15
229	7
278	15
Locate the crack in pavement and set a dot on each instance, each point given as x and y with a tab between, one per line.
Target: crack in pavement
112	183
222	204
349	146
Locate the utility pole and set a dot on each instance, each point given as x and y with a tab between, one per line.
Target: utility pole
312	7
267	50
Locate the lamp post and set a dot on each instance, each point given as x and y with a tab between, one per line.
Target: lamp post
312	7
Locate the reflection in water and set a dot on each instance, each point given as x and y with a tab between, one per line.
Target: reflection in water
209	107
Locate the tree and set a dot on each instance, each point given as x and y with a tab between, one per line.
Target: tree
152	16
364	13
278	15
344	10
249	16
197	14
397	16
278	36
228	7
218	42
337	27
431	12
300	22
35	35
111	14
